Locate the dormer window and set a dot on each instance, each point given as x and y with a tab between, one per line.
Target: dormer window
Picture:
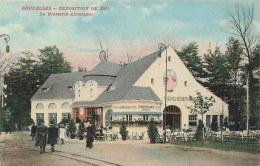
185	83
45	90
169	58
111	88
70	88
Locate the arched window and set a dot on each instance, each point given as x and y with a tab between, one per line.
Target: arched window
39	106
65	105
52	106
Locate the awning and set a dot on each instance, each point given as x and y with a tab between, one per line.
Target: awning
136	113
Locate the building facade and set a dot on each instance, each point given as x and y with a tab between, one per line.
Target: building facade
135	92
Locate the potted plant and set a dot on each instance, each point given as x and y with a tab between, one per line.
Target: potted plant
72	129
81	130
123	132
152	131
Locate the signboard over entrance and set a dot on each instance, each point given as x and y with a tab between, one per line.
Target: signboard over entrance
136	107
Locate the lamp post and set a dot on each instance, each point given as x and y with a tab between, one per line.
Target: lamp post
7	39
162	46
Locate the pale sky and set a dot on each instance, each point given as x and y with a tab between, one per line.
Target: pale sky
137	26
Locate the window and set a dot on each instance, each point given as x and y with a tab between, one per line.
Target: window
79	93
185	83
39	118
76	112
128	117
91	83
192	120
145	117
65	105
111	87
91	92
66	115
152	81
52	106
39	106
169	58
208	120
90	111
47	89
70	88
53	118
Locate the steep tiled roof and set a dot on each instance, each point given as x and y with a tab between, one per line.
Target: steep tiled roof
57	86
105	68
105	73
123	83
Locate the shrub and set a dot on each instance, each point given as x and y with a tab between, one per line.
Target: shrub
82	128
152	129
123	130
199	131
72	127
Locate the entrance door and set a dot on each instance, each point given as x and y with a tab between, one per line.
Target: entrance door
172	117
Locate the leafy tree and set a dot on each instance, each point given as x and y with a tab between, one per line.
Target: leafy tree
22	84
201	105
51	62
234	55
189	56
218	75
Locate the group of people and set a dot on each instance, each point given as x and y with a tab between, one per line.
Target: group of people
49	135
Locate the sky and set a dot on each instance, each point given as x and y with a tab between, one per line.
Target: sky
135	27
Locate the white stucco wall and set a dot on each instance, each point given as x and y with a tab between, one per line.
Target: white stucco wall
156	72
46	110
88	92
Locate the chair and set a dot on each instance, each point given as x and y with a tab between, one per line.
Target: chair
128	137
134	135
141	137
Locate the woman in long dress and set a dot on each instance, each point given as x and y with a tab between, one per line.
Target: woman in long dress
90	135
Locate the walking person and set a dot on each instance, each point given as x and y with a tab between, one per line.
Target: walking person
41	136
62	133
52	135
90	135
33	131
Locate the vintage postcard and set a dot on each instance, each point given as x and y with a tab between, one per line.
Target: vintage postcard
131	82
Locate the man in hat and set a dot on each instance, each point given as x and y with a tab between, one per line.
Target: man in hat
41	136
62	133
52	135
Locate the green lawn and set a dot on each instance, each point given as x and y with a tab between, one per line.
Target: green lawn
230	146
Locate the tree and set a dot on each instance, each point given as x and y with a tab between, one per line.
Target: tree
217	70
201	105
234	55
22	84
241	21
189	56
51	62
